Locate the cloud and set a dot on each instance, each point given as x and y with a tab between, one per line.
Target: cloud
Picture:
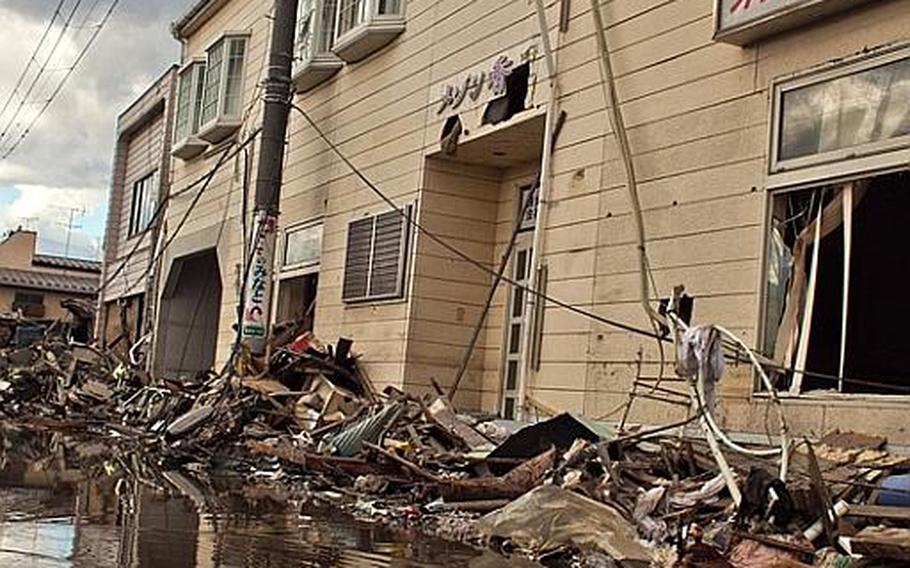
68	154
47	210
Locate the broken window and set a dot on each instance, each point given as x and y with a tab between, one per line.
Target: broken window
833	307
513	101
376	256
297	300
299	275
848	111
143	202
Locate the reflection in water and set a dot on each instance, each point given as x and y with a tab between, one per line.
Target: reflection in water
66	503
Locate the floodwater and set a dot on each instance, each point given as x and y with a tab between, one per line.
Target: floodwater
74	504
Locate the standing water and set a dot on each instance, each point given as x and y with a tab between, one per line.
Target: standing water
71	503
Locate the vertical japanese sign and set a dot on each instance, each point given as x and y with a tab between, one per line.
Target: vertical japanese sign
258	292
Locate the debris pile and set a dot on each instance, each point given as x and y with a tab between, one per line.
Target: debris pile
563	491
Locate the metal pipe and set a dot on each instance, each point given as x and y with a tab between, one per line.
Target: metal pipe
543	197
622	139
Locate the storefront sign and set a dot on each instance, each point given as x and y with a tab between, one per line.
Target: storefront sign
743	21
483	83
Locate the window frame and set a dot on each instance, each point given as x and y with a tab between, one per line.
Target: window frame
758	389
318	29
138	224
195	71
301	268
850	161
371	16
405	251
221	117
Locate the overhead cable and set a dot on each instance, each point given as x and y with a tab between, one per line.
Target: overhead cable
33	58
511	282
63	81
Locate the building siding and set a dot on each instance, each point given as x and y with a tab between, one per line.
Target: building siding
697	114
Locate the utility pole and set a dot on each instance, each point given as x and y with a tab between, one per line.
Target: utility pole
277	104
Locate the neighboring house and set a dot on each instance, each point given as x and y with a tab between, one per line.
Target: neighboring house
34	285
761	132
139	184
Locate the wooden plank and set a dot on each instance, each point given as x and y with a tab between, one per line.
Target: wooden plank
848	254
880	512
803	349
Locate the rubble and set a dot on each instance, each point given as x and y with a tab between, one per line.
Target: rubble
562	491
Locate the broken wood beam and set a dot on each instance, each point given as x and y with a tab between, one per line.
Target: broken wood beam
879	512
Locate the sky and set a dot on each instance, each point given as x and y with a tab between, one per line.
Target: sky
61	170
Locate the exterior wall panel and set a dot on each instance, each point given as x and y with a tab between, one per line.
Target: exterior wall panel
697	114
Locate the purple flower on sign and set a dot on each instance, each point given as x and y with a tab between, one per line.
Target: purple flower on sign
502	68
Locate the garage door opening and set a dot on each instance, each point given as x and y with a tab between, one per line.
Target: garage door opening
188	321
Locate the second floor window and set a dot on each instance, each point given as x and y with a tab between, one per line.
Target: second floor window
315	28
223	86
189	100
353	13
143	202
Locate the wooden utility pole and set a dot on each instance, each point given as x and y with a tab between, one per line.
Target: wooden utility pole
277	103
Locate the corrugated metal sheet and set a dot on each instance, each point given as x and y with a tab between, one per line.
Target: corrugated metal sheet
349	441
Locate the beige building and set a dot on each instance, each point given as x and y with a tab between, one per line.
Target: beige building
769	141
138	184
34	285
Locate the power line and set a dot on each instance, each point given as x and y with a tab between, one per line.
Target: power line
41	70
32	58
69	72
205	179
538	294
454	250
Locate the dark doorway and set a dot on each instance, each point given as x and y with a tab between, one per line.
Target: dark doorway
188	322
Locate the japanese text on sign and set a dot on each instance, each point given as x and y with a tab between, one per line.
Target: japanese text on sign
473	85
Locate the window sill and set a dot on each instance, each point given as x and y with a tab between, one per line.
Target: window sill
217	130
367	38
834	398
188	148
373	302
315	71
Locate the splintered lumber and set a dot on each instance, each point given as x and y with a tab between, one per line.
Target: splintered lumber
442	413
514	484
879	512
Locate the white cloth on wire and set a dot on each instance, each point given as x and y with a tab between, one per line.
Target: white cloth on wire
701	353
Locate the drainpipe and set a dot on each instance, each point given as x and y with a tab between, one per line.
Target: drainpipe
527	338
